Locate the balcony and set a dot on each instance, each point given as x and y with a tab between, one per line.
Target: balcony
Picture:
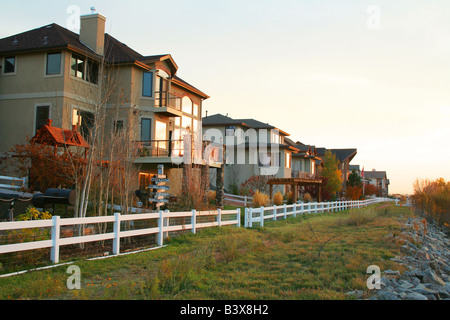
157	151
167	104
303	175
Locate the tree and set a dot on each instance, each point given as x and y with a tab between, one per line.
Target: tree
332	173
354	180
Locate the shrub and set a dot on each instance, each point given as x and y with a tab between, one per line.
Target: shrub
290	197
307	197
260	199
278	198
358	217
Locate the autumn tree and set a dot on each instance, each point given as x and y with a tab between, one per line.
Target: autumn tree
332	173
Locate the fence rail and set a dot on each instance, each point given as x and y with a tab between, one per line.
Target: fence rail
161	231
16	183
259	215
245	200
252	216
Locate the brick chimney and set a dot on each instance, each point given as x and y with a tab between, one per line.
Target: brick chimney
92	32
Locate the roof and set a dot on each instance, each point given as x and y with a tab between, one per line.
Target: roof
180	82
341	154
55	37
59	137
352	167
219	119
255	124
375	174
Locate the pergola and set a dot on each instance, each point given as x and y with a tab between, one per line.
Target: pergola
295	183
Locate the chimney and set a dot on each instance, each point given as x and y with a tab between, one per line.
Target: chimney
92	32
49	122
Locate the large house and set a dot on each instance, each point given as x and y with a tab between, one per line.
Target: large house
53	73
254	148
378	179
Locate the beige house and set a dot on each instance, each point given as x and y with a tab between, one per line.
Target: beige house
255	148
53	73
378	179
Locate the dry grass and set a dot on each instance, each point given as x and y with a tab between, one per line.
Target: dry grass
260	199
278	198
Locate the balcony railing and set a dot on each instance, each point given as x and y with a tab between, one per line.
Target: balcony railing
177	148
303	175
166	99
161	148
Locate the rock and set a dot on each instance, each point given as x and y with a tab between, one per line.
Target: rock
415	296
391	273
405	284
432	277
386	295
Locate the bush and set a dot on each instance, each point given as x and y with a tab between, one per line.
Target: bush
278	198
307	197
358	217
260	199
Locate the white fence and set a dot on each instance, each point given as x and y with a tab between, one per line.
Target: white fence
16	183
244	200
252	215
259	215
162	229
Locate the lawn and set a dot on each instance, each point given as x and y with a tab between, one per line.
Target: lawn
312	257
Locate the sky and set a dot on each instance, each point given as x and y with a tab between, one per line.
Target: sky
371	75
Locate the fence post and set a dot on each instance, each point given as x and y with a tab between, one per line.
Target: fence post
250	217
55	239
160	239
245	217
315	207
274	212
285	211
193	221
295	210
262	216
116	241
238	217
219	217
245	201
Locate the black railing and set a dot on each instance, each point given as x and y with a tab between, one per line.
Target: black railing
167	99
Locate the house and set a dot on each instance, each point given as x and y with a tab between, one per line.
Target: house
53	73
344	156
378	179
252	147
305	162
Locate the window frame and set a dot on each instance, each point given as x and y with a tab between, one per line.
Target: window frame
36	107
61	66
151	74
4	66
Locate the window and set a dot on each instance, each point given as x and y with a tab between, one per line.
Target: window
42	116
118	126
10	65
161	133
287	159
275	137
186	122
77	67
147	84
187	105
146	129
53	63
196	110
87	121
229	131
92	72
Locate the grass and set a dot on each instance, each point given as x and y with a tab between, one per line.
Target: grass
279	261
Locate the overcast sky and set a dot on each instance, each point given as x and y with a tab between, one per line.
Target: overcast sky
372	75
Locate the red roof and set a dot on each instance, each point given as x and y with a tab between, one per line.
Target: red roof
59	137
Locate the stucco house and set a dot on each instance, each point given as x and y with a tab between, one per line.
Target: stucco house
53	73
378	179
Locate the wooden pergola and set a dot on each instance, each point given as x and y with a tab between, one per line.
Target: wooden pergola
295	183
